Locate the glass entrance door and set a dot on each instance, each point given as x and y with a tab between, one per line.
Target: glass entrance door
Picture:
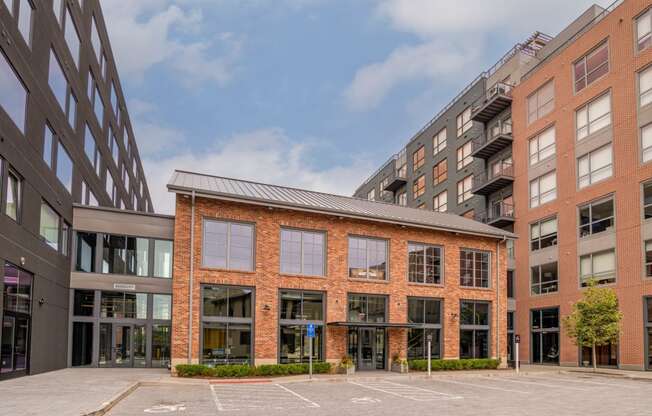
367	348
123	346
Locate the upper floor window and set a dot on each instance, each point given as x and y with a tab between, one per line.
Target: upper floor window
367	308
419	186
439	142
440	202
95	41
57	7
13	95
371	195
646	142
647	200
645	86
594	166
91	149
543	234
464	157
541	102
401	199
135	256
644	30
593	116
64	167
11	194
22	11
648	258
95	98
419	158
464	189
439	172
545	279
510	285
228	245
72	36
464	122
474	268
542	146
302	252
367	258
591	66
53	229
424	263
543	189
163	256
61	89
110	187
600	267
114	99
596	217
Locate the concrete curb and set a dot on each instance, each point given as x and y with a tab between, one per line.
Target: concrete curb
108	405
628	376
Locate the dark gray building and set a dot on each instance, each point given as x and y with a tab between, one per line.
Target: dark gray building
65	138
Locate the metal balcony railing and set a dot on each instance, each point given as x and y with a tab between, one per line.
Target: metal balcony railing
498	137
491	181
496	99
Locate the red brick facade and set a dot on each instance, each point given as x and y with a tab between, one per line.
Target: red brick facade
267	279
625	184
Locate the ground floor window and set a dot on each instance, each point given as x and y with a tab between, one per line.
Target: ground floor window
82	343
510	337
545	336
16	319
648	331
474	329
606	356
298	310
427	312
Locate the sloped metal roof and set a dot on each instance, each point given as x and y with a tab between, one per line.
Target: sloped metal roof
300	199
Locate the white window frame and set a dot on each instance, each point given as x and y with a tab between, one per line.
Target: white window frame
609	275
647	35
585	59
584	125
645	95
440	202
539	198
464	122
587	179
646	148
538	153
464	187
439	141
540	109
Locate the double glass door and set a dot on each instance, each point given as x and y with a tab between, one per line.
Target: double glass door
122	345
367	348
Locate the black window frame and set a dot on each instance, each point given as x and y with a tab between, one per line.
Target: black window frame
539	282
367	265
5	171
474	271
367	296
425	328
229	223
475	327
591	224
302	322
302	271
438	277
549	240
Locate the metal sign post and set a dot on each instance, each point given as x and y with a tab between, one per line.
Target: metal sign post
310	333
429	363
517	341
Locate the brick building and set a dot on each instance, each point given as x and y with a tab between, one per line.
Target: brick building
255	263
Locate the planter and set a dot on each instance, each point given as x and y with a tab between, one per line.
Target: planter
349	371
400	367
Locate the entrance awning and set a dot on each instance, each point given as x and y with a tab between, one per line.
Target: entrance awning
376	324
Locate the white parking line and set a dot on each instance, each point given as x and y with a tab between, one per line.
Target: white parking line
482	386
405	391
230	398
566	379
554	386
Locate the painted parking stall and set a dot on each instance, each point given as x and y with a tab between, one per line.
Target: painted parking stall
236	397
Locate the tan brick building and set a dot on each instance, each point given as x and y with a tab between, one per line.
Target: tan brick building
262	262
582	201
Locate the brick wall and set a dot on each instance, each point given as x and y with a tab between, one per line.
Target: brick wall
267	280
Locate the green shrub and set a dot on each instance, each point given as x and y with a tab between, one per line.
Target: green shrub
464	364
267	370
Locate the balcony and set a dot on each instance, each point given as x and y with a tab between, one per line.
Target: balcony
488	183
496	99
500	215
397	180
498	138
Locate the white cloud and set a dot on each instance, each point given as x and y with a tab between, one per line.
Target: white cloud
265	155
451	38
146	33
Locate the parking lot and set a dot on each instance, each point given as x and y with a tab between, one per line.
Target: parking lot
549	394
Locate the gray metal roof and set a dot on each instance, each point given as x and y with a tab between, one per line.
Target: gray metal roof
301	199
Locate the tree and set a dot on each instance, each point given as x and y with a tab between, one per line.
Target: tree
595	320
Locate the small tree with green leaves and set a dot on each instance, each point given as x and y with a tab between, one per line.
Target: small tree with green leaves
595	320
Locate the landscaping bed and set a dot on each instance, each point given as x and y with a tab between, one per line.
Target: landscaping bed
448	365
245	370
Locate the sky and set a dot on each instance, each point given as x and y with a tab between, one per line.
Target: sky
315	94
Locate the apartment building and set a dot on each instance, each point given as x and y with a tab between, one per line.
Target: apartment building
254	264
582	186
65	138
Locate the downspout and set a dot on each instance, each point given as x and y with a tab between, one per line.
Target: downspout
498	313
192	269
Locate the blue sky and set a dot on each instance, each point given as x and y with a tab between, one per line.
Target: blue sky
307	93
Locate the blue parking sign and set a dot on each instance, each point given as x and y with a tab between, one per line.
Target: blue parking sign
310	333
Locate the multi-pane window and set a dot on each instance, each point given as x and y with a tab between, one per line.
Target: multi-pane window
371	195
367	308
542	146
367	258
600	267
426	312
593	116
439	142
644	30
302	252
543	234
419	158
227	313
544	279
646	142
440	202
49	226
22	11
439	172
474	268
72	36
474	329
648	258
228	245
12	195
401	199
91	149
464	189
123	305
298	309
541	102
464	122
419	186
543	189
464	157
545	336
594	166
424	263
596	217
647	200
591	67
13	95
645	86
